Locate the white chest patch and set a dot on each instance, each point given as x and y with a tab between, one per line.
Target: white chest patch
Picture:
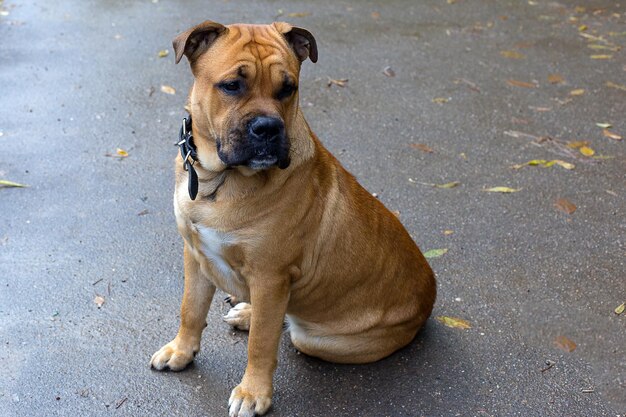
213	242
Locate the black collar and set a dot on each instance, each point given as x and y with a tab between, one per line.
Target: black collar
189	154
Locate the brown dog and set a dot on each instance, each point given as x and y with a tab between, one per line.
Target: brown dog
278	222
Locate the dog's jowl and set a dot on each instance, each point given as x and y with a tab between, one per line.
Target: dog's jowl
269	216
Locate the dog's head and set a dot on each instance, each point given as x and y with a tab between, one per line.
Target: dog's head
245	93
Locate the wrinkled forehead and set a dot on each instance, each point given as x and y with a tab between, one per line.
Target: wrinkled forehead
253	52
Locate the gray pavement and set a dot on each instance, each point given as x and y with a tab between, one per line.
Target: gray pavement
80	79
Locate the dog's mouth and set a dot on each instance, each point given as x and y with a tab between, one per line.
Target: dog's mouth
263	162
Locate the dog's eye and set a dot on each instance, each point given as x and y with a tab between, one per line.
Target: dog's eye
286	91
230	87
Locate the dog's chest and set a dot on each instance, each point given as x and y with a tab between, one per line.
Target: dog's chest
212	244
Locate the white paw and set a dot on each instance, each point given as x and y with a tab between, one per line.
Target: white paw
243	403
239	316
174	356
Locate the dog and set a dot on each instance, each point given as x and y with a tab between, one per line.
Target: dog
269	216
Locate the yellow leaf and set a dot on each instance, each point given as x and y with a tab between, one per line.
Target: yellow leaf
299	14
604	125
587	151
620	308
577	92
447	185
563	164
577	144
604	47
7	183
611	135
121	153
440	100
582	28
536	162
502	190
512	54
163	53
448	232
168	89
617	86
454	322
601	56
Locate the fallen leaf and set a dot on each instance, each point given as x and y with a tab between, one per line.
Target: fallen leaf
299	14
512	54
502	190
611	135
375	15
587	151
163	53
422	147
580	9
582	28
577	144
617	86
601	56
604	125
577	92
516	83
564	344
562	164
168	90
541	109
121	153
448	232
454	322
620	309
389	72
604	47
340	82
448	184
435	253
99	300
565	205
555	79
7	184
440	100
143	212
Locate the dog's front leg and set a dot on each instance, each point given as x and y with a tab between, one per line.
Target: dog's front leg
197	296
253	395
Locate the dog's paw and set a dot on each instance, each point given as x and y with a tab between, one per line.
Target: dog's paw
246	403
239	316
174	356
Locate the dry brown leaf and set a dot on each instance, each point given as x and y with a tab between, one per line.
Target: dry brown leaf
555	79
577	92
454	322
143	212
99	300
339	82
375	15
565	205
611	135
517	83
512	54
422	147
168	89
564	344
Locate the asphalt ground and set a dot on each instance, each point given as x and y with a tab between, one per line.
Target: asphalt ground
484	84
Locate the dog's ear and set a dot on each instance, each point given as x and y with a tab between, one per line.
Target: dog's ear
301	40
196	40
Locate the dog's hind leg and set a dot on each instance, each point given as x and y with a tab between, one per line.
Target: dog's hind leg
239	316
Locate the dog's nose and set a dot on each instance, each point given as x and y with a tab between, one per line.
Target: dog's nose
265	128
